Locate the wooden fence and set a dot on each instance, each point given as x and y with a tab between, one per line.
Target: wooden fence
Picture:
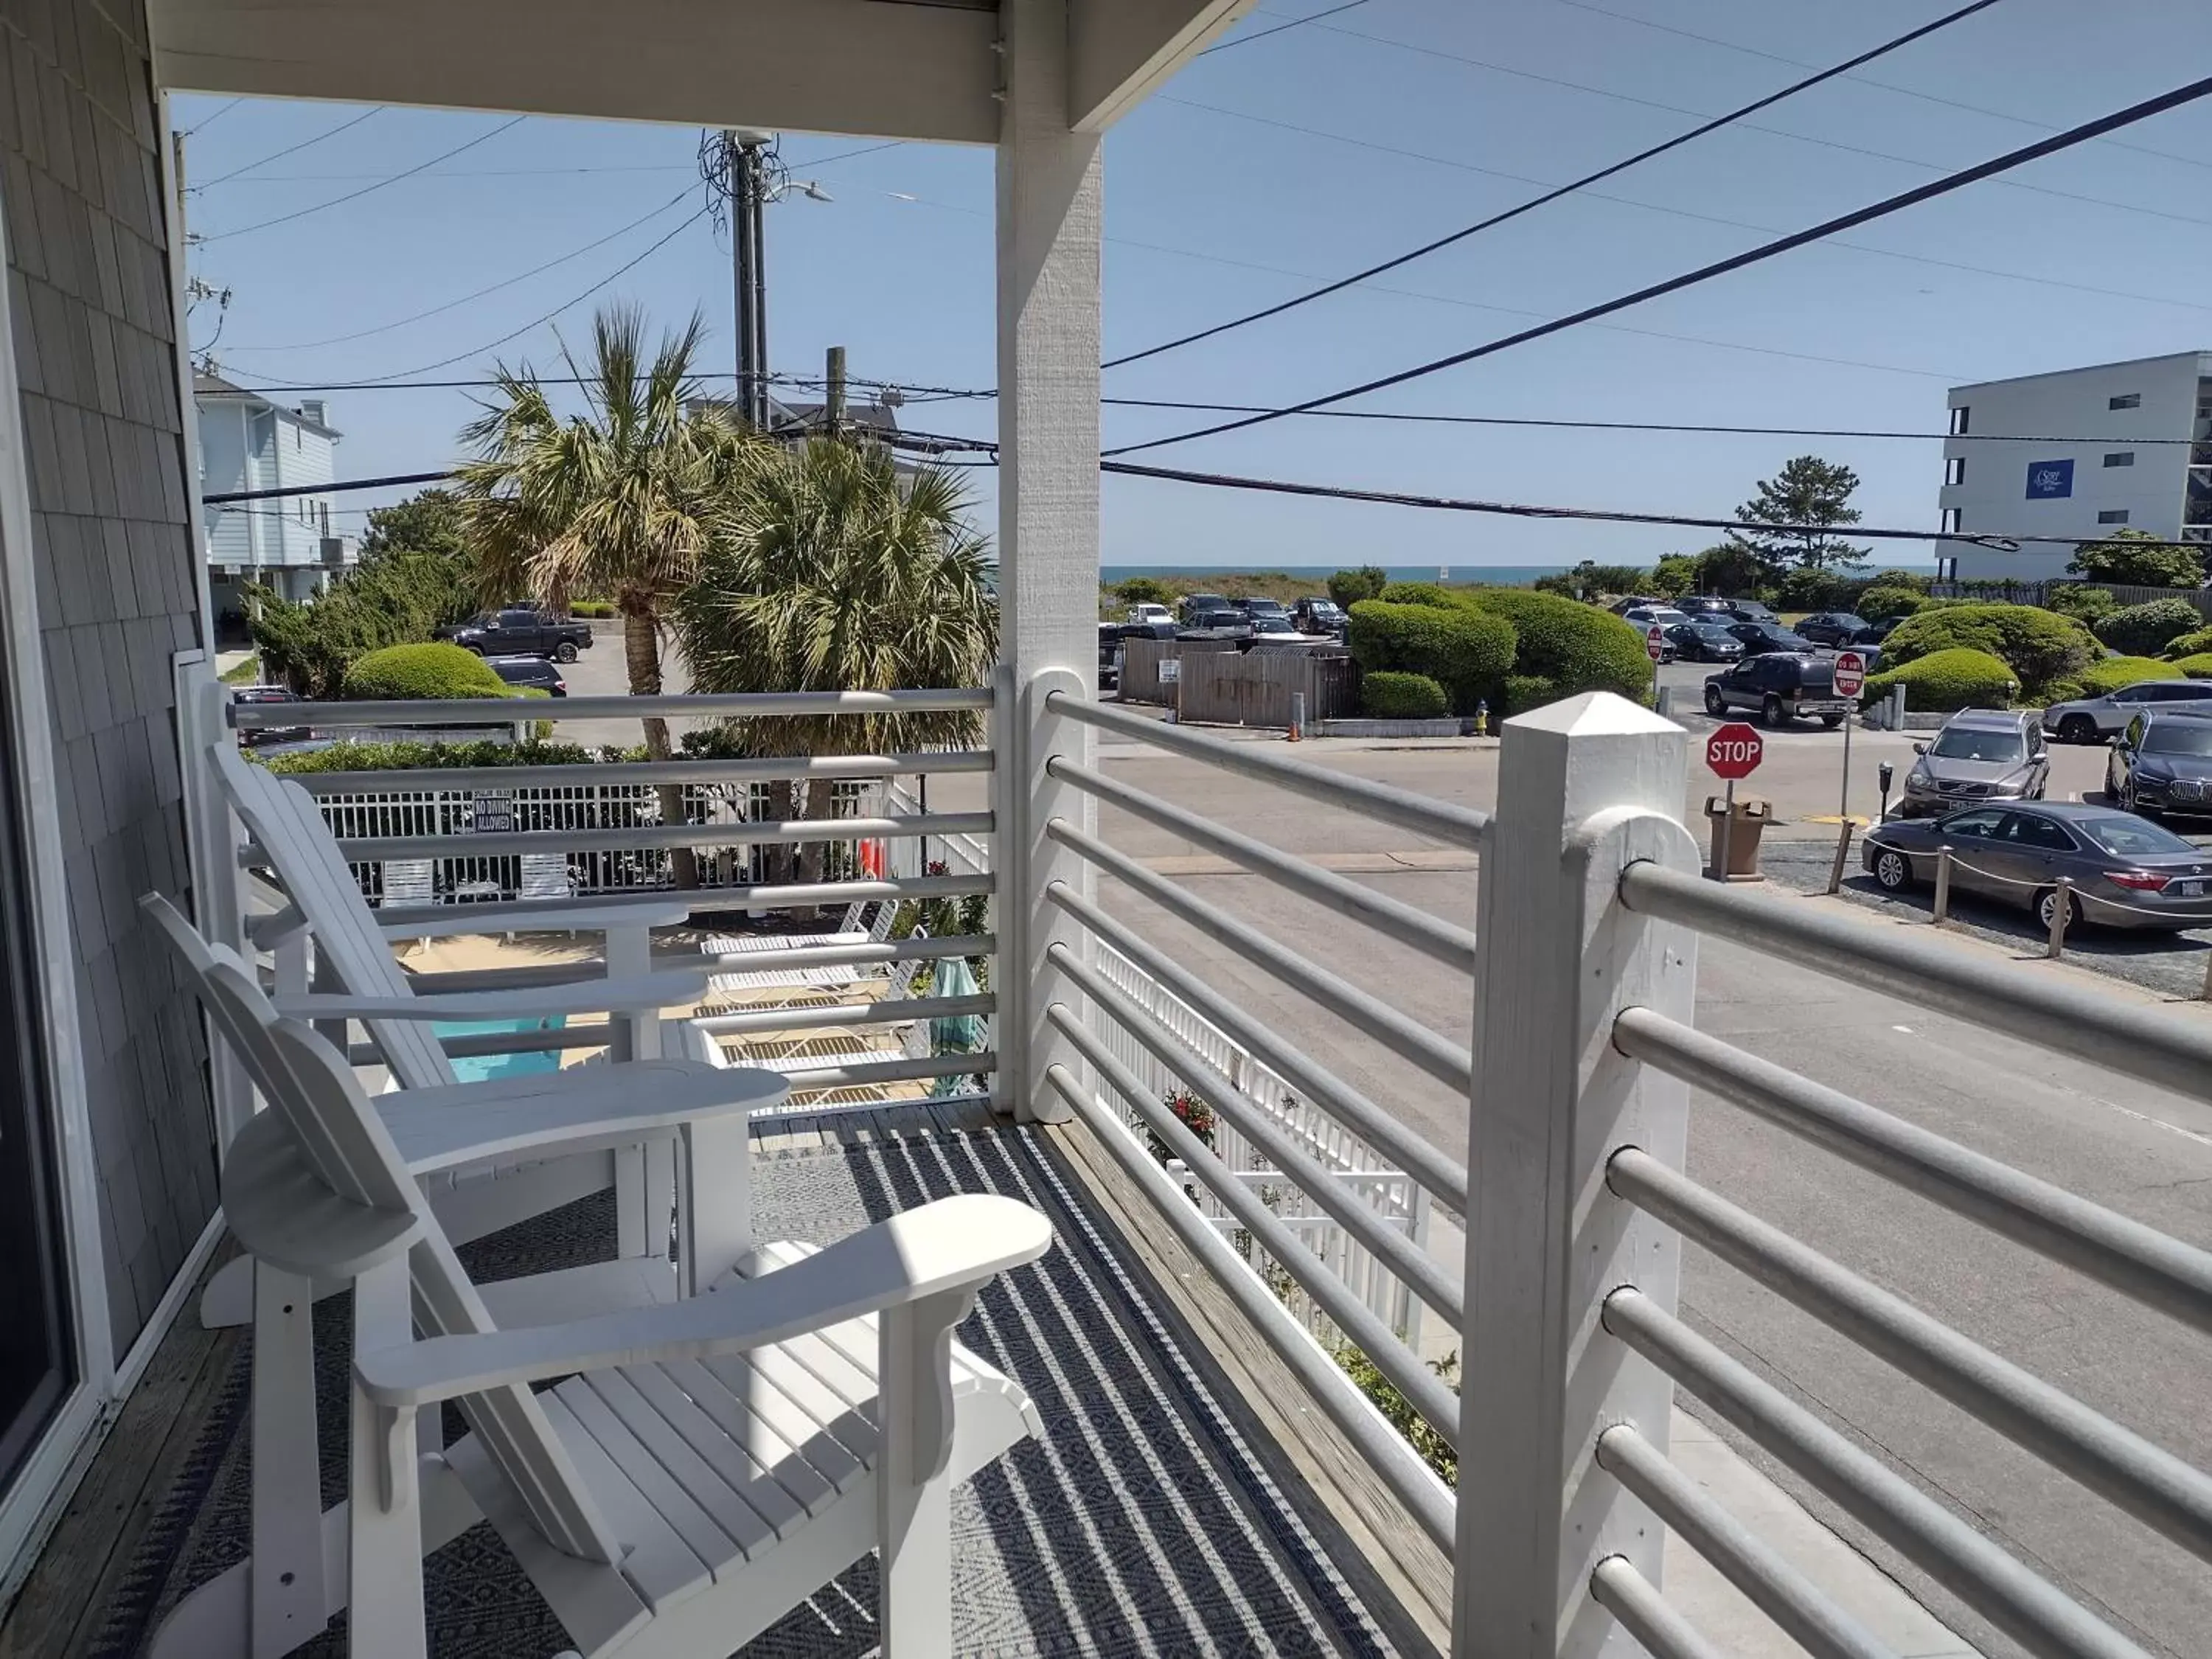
2038	592
1151	669
1253	688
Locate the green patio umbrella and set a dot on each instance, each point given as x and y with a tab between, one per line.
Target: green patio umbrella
954	1034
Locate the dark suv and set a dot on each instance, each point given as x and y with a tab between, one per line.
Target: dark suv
519	631
1781	688
1837	628
2161	763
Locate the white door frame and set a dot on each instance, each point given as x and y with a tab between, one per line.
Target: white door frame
27	1510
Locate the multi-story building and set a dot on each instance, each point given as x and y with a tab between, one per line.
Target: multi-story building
247	442
2077	453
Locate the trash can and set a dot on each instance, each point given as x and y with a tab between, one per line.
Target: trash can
1750	818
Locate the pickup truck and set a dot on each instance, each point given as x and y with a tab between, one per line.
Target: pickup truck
519	631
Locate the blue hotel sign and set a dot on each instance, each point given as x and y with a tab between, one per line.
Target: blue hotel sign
2050	480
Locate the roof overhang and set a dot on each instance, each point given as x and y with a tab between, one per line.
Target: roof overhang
888	69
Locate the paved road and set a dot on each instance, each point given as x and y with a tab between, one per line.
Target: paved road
2145	1153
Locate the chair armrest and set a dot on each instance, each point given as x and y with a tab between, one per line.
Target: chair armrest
533	915
953	1244
646	994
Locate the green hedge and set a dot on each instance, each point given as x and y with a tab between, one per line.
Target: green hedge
1466	653
2076	599
2197	667
436	757
2188	644
1877	604
1388	696
2146	630
2101	678
1565	648
1944	681
600	608
2042	647
415	672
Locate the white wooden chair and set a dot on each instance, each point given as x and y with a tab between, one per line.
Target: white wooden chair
358	979
709	1462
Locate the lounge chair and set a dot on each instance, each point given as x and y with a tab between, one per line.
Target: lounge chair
709	1462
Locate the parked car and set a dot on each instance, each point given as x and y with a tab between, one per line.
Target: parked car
1320	616
1980	754
2097	719
1646	616
1194	604
520	630
1255	607
1109	655
2161	762
1704	604
1752	610
1221	623
1875	632
2125	871
537	671
1837	628
1758	639
1628	602
1697	641
1782	687
1149	613
255	737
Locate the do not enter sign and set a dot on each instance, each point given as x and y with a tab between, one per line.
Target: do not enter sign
1735	751
1654	643
1850	673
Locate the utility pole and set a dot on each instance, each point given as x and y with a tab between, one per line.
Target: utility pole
832	402
741	159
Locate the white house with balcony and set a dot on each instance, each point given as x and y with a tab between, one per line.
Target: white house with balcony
249	442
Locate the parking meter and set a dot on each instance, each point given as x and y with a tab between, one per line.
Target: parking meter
1884	772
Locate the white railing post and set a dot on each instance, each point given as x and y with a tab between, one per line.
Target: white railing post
212	842
1585	787
1028	923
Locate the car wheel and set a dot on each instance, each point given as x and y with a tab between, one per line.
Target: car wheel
1892	870
1832	721
1716	704
1773	712
2077	728
564	652
2046	908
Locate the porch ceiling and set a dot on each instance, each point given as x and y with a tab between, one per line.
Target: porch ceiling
895	69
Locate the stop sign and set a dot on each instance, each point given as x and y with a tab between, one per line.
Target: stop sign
1654	642
1850	673
1735	751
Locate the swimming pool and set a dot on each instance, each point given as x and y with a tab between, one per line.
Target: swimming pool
479	1068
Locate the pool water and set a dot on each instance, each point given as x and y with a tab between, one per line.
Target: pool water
480	1068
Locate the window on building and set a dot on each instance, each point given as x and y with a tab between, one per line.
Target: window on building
1954	468
2126	400
1959	416
2120	457
1951	521
2113	515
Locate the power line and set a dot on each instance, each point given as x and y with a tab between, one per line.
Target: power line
1868	81
354	196
1554	195
1749	126
212	120
1654	207
290	150
574	253
1929	191
1295	23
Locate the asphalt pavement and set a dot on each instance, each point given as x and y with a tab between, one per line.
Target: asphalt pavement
2145	1153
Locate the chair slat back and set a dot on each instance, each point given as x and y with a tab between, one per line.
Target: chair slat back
345	1145
289	827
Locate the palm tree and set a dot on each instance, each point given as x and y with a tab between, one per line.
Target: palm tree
830	572
617	500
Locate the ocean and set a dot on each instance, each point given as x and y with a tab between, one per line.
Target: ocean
1499	575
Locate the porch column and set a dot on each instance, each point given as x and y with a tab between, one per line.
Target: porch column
1049	209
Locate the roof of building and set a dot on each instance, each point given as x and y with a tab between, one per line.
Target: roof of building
2084	368
205	384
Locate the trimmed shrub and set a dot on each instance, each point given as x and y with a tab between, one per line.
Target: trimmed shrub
1420	593
2197	639
412	673
599	609
2042	647
2197	667
1944	681
1877	604
1386	696
1465	652
1808	589
434	757
2076	599
2109	675
1565	648
2146	630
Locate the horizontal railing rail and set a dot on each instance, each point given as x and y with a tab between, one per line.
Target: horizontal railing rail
1455	826
659	837
601	773
802	1017
507	711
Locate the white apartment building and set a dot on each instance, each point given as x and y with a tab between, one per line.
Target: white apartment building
2078	453
248	442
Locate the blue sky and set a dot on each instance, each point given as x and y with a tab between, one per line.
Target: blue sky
1267	167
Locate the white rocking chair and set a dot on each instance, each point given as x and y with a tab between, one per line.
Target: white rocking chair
709	1462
